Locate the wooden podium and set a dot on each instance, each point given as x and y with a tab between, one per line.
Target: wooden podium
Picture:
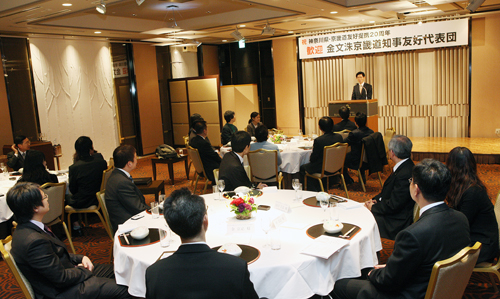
368	107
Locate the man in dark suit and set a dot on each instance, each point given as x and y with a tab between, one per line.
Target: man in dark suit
355	140
439	234
195	270
393	207
231	168
315	164
362	90
52	271
345	124
210	158
123	198
19	148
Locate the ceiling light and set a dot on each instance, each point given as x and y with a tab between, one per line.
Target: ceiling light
372	22
268	30
243	26
67	4
224	40
139	2
333	12
101	7
237	35
419	23
290	31
97	32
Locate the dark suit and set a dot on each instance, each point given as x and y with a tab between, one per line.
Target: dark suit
233	173
355	140
15	162
210	158
123	198
439	234
196	271
394	208
345	124
85	177
227	132
51	269
366	92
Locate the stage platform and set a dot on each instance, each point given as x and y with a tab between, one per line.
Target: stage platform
485	150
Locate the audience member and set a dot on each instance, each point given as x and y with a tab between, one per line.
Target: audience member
393	207
123	198
195	270
355	140
52	271
229	128
345	124
231	168
192	120
468	195
17	156
315	164
439	234
362	90
261	135
35	169
253	123
209	157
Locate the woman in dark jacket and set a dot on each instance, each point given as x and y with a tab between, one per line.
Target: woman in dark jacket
35	169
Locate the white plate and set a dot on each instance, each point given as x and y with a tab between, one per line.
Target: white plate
139	233
332	226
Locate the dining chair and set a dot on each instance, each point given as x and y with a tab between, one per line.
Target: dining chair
492	268
375	163
344	133
100	197
216	174
93	208
450	277
194	155
56	193
333	164
264	166
24	284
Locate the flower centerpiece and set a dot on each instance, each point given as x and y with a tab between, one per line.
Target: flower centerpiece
243	206
278	138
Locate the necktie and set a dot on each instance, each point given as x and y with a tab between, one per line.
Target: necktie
360	89
130	177
48	230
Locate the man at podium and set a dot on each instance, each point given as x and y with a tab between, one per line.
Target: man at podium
362	90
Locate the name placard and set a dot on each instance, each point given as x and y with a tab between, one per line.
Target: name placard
282	207
279	220
240	228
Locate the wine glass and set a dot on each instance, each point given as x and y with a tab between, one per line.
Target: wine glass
221	185
295	185
324	202
265	224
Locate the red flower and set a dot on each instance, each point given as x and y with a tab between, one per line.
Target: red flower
251	201
237	201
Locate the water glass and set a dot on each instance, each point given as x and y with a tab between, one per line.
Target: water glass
334	211
324	205
155	210
221	185
265	224
275	239
164	238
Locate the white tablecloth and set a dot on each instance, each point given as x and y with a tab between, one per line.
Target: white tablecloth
283	273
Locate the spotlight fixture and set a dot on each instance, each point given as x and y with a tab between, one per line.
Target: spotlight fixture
237	35
474	5
101	7
139	2
268	30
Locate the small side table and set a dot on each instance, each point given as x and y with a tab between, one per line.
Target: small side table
156	187
170	162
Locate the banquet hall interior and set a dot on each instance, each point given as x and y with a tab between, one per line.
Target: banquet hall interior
133	71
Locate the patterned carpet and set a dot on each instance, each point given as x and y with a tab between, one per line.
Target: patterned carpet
97	245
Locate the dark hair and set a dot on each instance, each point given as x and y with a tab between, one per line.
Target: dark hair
23	199
463	169
344	112
261	133
34	171
19	139
228	115
184	213
83	145
360	119
326	124
360	73
240	140
401	146
194	118
253	115
432	178
200	126
123	154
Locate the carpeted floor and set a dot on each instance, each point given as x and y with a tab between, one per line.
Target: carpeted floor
97	245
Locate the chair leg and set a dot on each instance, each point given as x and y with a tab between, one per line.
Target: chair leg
69	223
361	180
493	282
345	187
69	237
205	189
86	221
321	184
380	179
105	225
196	183
305	182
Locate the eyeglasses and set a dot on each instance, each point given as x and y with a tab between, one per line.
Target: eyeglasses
410	180
45	196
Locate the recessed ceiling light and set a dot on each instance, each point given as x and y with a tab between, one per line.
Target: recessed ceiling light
224	40
372	21
243	26
290	31
333	12
67	4
97	32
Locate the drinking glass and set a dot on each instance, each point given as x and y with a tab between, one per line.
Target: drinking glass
324	202
334	212
161	200
155	210
164	238
221	185
265	224
295	185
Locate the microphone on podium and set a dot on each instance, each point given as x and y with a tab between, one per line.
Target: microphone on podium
366	93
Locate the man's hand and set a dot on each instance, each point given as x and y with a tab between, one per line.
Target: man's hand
370	203
261	185
87	264
14	148
376	267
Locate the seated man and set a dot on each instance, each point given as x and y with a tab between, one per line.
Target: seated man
231	168
229	128
123	198
19	148
393	207
439	234
209	157
261	134
355	140
52	271
195	270
345	124
315	164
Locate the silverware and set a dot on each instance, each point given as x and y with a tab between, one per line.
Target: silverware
126	239
346	235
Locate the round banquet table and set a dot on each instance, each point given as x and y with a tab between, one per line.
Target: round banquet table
284	273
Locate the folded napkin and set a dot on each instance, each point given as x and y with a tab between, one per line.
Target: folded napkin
324	246
270	189
349	205
125	228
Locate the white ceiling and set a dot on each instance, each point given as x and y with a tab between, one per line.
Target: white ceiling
212	21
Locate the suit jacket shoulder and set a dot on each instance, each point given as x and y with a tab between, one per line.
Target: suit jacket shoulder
233	173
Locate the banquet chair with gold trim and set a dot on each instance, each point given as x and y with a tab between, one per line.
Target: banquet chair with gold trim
24	284
366	164
56	193
333	164
194	155
100	197
450	277
344	133
264	166
216	175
